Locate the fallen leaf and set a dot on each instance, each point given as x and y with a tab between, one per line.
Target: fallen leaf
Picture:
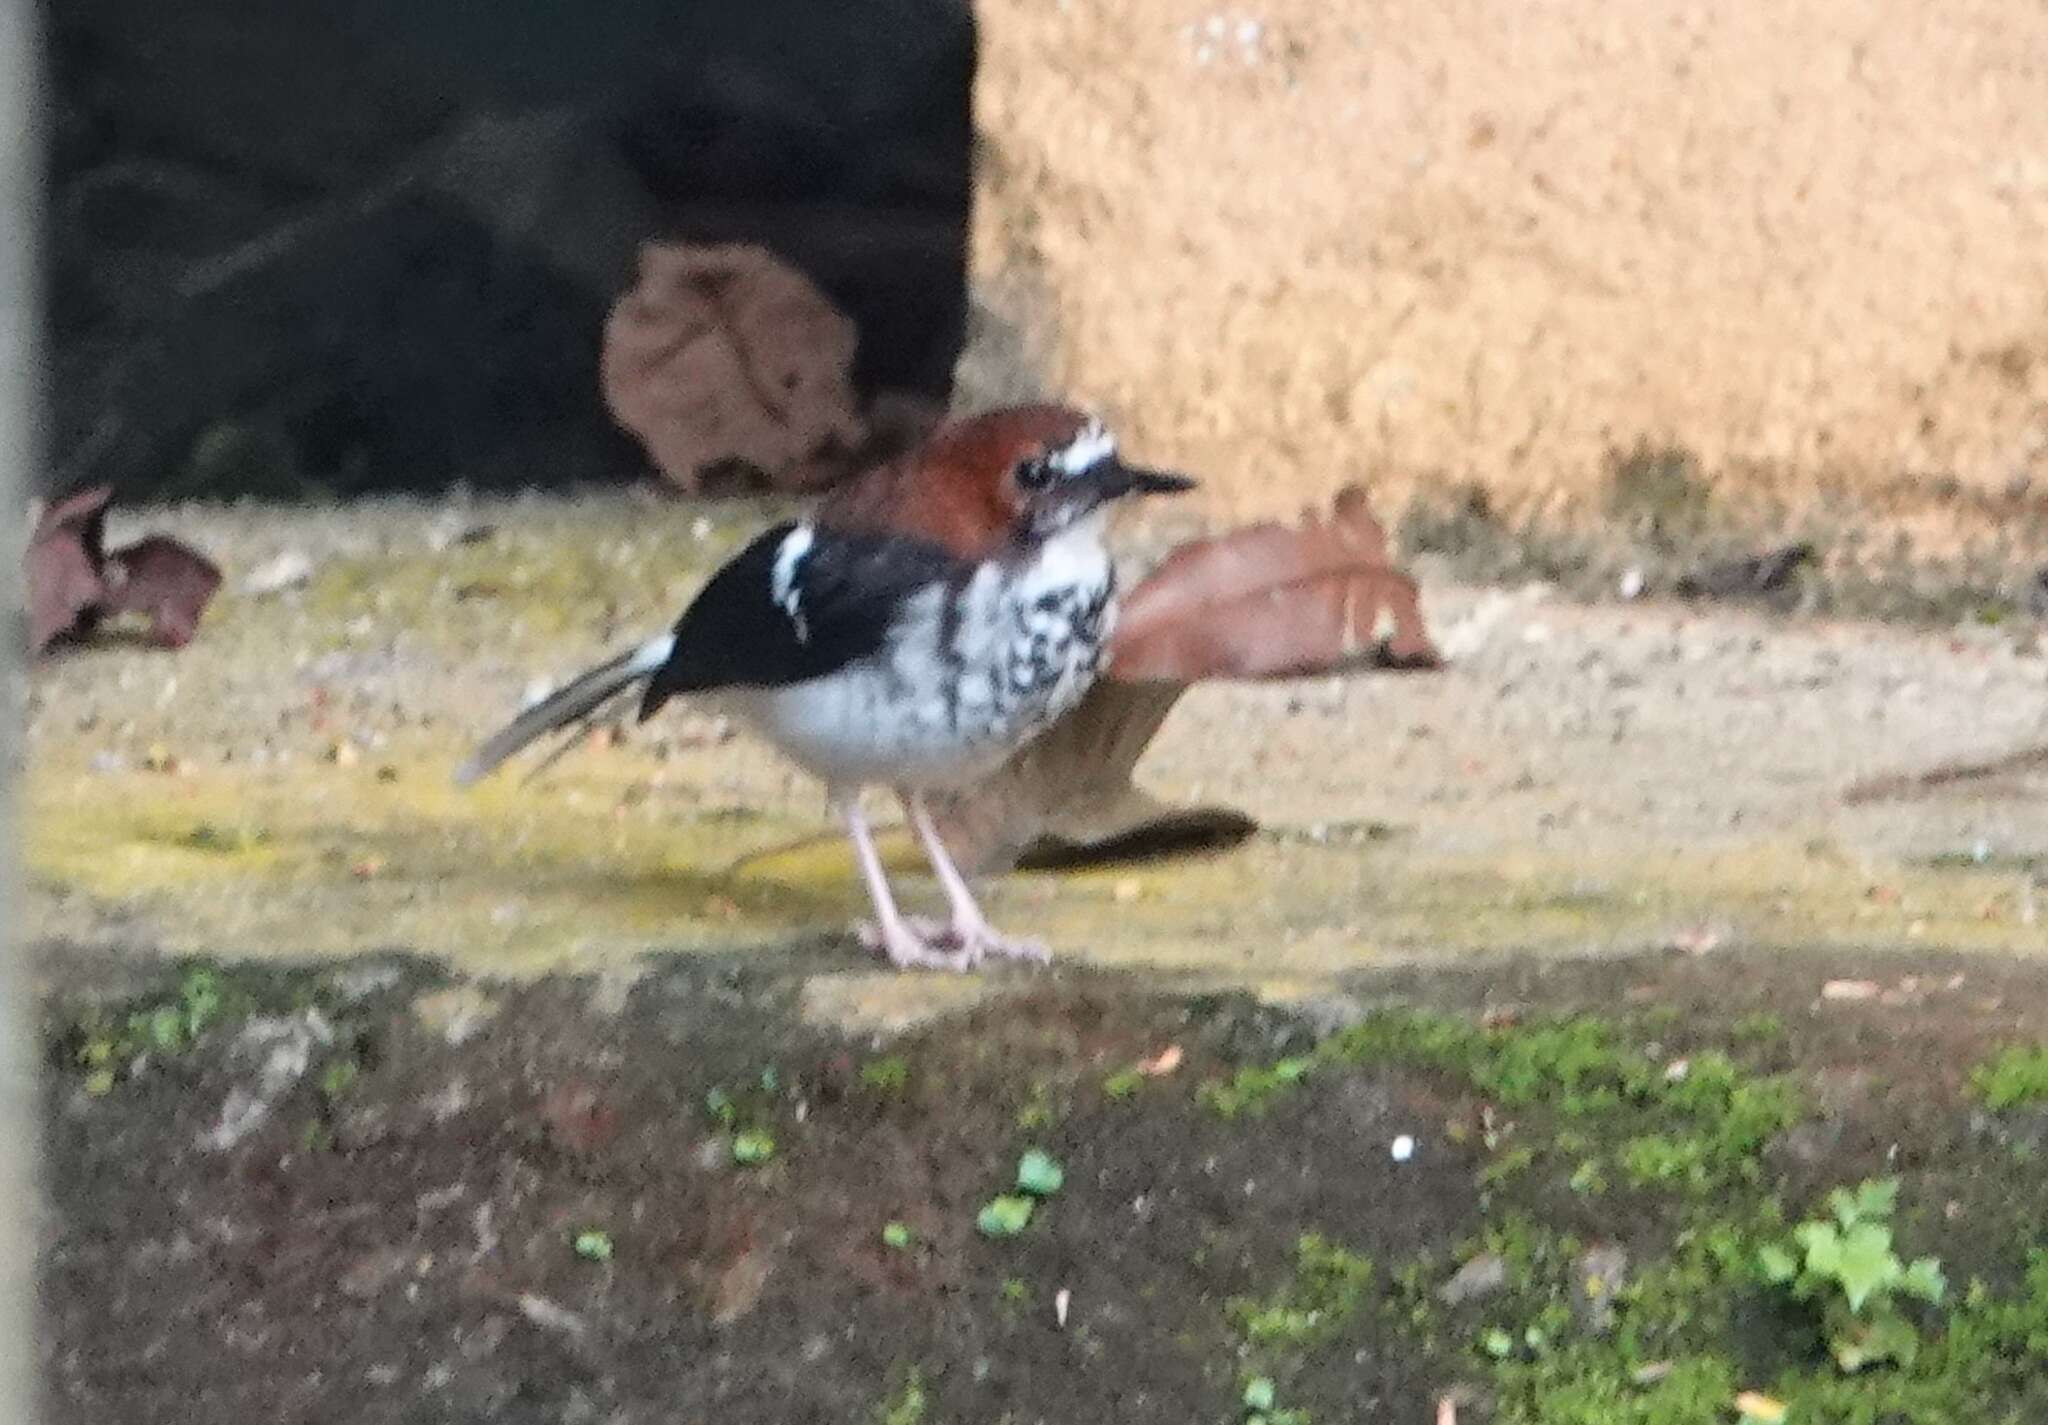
1162	1063
725	358
1849	989
63	567
1269	601
73	582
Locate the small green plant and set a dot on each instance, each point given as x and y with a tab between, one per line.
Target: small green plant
1039	1110
2016	1078
908	1405
108	1050
1252	1089
338	1078
898	1236
593	1245
1328	1286
1261	1399
751	1147
1763	1027
1508	1166
1123	1084
1039	1174
1005	1216
888	1076
718	1107
1846	1263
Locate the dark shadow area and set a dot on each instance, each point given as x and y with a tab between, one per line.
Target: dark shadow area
359	245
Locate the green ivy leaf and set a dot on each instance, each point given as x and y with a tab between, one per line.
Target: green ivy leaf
1779	1264
1867	1263
1823	1246
1877	1199
1259	1393
1924	1280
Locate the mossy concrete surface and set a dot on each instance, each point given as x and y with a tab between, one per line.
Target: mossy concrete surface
1580	780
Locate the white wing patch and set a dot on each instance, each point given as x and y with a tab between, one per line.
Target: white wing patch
782	586
1090	447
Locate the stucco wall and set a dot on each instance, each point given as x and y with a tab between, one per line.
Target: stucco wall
1299	242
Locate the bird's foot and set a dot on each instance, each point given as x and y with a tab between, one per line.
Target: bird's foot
910	947
984	941
950	945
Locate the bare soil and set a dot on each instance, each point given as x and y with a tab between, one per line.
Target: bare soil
399	1242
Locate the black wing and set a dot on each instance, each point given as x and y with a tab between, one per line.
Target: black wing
797	603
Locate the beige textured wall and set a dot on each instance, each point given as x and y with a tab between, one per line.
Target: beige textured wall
1294	241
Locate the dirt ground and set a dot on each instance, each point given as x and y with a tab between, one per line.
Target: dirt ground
511	1204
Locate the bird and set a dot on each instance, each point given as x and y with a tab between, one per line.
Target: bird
926	621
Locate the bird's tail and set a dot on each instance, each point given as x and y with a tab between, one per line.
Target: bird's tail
571	706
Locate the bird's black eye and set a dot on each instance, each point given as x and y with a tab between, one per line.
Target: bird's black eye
1034	474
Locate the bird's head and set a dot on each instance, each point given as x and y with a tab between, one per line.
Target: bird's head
985	482
1044	468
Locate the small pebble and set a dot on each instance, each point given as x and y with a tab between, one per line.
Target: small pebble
1403	1148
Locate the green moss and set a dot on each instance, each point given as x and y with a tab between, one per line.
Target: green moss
1252	1090
907	1405
108	1044
888	1076
1590	1384
2016	1078
1325	1291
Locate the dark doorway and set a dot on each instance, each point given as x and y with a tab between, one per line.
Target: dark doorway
364	245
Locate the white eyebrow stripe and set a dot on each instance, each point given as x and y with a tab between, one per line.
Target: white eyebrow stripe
782	581
1092	446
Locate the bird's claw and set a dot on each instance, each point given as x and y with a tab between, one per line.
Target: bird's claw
908	948
932	944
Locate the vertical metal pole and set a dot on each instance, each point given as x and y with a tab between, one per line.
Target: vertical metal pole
21	389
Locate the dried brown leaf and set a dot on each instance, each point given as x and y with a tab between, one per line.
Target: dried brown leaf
1269	601
1069	792
73	582
62	565
165	581
724	357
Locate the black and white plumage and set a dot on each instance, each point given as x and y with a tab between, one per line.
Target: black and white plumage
882	651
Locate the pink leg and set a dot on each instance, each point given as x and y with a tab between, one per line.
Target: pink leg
890	933
970	928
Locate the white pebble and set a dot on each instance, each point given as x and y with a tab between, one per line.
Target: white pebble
1403	1148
